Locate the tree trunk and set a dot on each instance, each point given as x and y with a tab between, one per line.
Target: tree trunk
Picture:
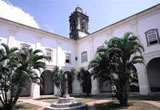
123	94
9	107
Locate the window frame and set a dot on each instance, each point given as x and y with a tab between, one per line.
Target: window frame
69	54
50	58
83	59
157	36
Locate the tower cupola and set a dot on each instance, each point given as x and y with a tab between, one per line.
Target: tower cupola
78	24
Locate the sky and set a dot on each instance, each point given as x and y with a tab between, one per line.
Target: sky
53	15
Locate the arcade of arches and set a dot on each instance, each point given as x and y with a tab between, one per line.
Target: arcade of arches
47	84
153	72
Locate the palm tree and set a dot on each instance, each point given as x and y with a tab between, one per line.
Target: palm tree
16	68
8	62
116	59
85	79
59	78
29	63
70	75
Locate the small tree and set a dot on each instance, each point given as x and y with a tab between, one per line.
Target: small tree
85	78
17	66
59	77
71	75
116	59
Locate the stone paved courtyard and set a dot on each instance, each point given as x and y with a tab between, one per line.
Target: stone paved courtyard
152	102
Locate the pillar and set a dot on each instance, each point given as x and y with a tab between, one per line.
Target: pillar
35	88
133	25
12	34
35	91
77	88
95	86
142	79
58	63
141	69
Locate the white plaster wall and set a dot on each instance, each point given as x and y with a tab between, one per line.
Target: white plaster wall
68	47
99	41
146	23
3	33
84	46
46	42
119	32
30	37
23	36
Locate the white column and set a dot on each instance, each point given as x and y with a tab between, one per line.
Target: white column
143	80
35	91
77	89
95	86
35	88
133	25
38	42
59	54
109	34
95	83
141	69
91	46
11	38
58	63
56	91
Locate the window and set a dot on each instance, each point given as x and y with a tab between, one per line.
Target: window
84	57
24	45
49	54
68	58
152	36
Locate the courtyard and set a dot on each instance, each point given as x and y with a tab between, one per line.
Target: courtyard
96	102
113	66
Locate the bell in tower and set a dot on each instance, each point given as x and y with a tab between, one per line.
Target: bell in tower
78	24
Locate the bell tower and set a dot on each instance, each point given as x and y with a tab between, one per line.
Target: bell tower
78	24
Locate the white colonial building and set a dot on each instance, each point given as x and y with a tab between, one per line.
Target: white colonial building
78	50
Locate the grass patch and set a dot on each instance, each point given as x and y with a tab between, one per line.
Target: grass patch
133	105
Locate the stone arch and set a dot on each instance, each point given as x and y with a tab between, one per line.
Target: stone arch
104	85
46	83
153	73
151	57
26	90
